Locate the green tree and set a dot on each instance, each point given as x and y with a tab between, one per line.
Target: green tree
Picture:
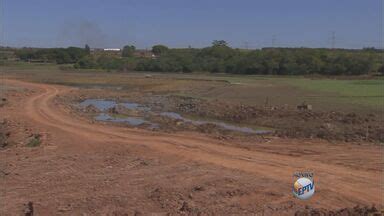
87	49
63	57
25	54
381	70
219	43
159	49
128	51
86	62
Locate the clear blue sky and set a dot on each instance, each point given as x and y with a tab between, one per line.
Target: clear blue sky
179	23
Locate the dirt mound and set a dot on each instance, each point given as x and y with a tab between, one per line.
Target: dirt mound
287	122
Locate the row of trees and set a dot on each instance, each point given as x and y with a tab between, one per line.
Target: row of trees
220	58
105	62
281	61
129	50
58	55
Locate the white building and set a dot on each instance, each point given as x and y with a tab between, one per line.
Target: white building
112	49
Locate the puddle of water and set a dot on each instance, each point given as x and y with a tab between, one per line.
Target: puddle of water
129	120
129	105
220	124
172	115
100	104
104	105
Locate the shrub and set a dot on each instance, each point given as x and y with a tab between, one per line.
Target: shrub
34	141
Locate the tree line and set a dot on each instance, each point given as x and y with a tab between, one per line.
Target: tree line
68	55
221	58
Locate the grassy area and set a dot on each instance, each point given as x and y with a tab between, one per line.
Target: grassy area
354	95
352	88
363	92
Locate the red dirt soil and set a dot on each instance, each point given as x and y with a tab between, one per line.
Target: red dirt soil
83	168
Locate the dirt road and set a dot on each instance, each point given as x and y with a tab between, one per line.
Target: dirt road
88	167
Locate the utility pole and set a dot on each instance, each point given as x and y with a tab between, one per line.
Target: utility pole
333	39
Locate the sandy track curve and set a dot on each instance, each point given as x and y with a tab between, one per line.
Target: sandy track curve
338	181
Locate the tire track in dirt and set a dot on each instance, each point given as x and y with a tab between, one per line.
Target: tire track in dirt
363	186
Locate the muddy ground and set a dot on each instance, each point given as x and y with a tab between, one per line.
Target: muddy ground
282	121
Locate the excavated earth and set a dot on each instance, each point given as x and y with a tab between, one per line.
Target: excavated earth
57	160
282	121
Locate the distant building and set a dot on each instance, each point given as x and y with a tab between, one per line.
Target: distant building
113	52
112	49
116	52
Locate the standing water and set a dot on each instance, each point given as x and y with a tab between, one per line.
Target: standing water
104	105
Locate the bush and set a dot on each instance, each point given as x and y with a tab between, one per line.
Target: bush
86	62
128	51
34	141
159	50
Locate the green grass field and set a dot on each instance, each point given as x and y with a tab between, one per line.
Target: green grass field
363	92
360	92
325	94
